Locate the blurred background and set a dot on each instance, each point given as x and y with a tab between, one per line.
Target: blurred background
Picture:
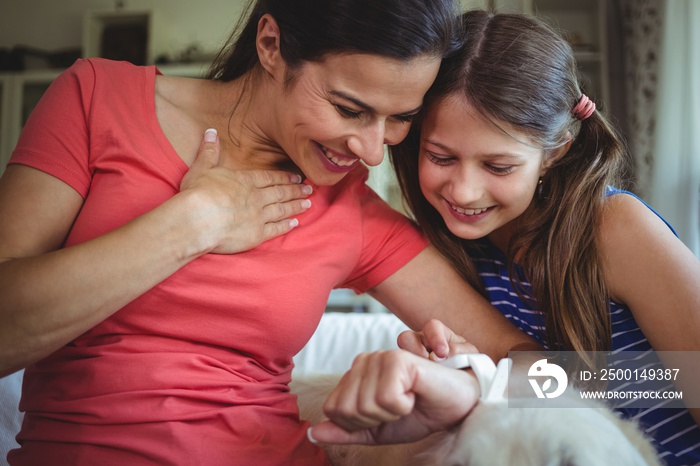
640	59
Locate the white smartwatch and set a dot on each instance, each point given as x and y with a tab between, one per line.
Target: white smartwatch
493	380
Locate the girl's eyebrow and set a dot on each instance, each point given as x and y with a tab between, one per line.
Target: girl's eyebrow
441	146
368	107
492	155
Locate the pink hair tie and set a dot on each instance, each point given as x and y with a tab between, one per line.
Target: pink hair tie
584	108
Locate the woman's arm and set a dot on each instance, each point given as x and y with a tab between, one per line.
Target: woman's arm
49	295
428	287
395	397
652	272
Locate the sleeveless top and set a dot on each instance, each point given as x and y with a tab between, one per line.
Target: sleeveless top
673	431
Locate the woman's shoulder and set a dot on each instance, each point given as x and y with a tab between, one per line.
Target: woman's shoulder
92	76
104	66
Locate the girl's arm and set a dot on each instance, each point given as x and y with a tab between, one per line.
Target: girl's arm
50	295
652	272
428	287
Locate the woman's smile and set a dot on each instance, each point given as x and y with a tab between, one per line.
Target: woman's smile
335	161
344	108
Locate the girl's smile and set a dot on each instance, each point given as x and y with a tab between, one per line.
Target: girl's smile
469	215
479	177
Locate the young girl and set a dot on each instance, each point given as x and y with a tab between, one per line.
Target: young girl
511	176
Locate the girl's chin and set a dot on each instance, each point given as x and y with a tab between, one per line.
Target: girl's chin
464	230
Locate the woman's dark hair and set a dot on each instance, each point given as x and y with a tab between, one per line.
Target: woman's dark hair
514	69
311	29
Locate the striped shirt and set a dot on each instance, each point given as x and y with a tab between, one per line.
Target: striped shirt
673	431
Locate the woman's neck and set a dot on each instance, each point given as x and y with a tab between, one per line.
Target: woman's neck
247	126
242	111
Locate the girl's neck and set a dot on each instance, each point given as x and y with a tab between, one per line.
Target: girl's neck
501	237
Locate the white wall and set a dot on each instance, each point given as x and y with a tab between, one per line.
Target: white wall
57	24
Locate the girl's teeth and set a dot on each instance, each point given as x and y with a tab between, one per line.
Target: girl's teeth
468	211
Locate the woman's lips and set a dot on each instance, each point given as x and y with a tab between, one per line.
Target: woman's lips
336	162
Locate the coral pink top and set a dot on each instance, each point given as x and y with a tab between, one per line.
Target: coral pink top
194	371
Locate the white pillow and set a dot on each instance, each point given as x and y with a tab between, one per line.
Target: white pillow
341	336
10	416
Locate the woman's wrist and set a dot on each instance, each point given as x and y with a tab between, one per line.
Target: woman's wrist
186	227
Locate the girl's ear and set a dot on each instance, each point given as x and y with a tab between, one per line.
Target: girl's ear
557	153
267	43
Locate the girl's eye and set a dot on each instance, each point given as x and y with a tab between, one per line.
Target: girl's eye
347	113
500	170
438	160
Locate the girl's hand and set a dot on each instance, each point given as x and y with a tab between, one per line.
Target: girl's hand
236	210
395	397
436	341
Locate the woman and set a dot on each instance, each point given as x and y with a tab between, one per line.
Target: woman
510	176
156	286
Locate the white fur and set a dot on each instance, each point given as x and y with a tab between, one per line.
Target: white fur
496	434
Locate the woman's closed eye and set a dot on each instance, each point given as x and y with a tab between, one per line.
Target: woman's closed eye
404	118
347	113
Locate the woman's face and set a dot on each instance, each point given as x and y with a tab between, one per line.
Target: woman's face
477	177
342	110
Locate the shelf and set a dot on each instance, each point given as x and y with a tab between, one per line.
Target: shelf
188	70
5	118
583	24
119	35
21	92
564	5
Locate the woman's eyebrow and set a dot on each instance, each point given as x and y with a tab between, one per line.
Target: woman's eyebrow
368	107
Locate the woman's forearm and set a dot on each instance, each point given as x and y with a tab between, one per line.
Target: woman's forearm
50	299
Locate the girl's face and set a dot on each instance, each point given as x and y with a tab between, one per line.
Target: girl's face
342	110
479	178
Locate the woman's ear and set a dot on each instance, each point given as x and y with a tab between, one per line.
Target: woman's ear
267	43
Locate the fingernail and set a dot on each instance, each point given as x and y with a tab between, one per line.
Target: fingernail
210	135
310	437
296	178
306	189
293	222
305	203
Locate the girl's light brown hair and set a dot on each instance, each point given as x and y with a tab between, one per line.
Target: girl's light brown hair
515	69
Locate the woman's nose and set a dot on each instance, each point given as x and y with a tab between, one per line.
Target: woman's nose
368	144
